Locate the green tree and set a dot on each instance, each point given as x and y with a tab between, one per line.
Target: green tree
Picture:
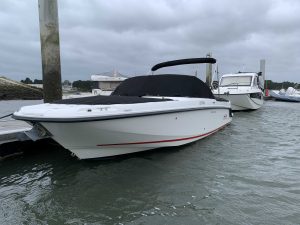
27	81
83	85
66	83
36	81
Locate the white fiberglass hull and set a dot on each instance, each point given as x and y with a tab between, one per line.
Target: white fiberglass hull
285	97
240	102
93	131
122	136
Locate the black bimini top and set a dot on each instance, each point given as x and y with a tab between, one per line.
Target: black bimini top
183	62
136	90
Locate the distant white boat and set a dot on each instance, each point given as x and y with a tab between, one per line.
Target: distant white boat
289	95
243	90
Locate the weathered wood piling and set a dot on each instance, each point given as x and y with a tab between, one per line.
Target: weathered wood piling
49	34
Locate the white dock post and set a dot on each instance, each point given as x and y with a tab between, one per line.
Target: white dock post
263	68
208	71
49	35
263	72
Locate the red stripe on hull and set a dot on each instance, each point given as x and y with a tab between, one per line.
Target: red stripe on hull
163	141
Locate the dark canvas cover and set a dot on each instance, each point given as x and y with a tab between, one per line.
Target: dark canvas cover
131	90
108	100
170	85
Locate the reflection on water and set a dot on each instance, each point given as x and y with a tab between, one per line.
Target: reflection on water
248	173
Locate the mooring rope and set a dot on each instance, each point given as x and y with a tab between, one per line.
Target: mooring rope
5	116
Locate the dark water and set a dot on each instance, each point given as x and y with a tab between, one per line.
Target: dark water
248	173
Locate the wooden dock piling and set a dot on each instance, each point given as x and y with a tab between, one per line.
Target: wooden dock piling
49	34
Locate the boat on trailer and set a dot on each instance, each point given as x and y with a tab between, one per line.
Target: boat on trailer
144	112
244	90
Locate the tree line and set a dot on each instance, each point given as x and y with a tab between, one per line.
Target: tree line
29	81
279	85
88	85
36	81
84	85
80	85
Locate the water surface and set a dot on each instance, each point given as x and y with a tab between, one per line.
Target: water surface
248	173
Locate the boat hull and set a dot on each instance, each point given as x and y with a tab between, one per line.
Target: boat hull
103	138
241	102
286	98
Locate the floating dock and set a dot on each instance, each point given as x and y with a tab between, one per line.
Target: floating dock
12	133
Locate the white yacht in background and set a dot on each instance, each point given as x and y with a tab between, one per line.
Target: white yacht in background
244	90
143	113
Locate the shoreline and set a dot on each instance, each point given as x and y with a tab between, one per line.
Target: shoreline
13	90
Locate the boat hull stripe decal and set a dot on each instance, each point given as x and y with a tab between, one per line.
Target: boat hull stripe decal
163	141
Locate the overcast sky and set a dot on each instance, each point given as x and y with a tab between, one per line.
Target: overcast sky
132	35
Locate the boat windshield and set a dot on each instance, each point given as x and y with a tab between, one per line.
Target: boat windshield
236	81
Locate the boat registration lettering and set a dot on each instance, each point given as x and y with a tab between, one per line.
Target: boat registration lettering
103	108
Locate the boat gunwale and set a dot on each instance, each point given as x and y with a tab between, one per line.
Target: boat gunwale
238	93
111	117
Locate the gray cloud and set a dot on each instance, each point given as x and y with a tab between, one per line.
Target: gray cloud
133	35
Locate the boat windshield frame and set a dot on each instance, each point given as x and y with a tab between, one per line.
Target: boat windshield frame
237	83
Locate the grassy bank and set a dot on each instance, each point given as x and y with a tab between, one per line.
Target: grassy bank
12	90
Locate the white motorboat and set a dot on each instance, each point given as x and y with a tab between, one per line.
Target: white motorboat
143	113
243	90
